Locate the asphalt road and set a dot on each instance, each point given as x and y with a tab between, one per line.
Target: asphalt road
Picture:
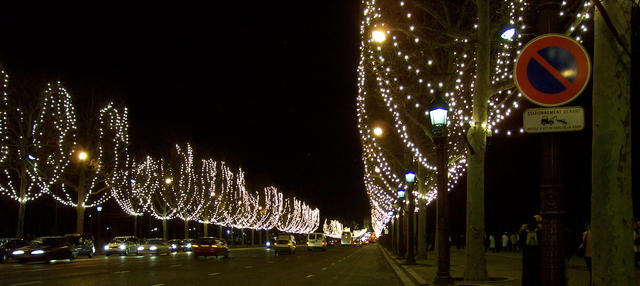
255	266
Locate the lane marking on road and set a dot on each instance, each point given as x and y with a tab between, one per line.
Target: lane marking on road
309	276
213	274
324	268
248	266
175	265
27	283
120	272
158	284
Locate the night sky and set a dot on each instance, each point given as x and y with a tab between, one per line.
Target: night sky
269	86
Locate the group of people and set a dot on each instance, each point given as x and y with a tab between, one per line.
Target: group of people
504	242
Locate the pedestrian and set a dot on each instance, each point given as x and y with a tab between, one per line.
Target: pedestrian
530	245
586	245
636	242
514	242
492	243
505	242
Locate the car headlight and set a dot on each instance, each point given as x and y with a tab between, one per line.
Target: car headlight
18	252
173	246
106	247
188	245
122	247
268	244
36	252
153	248
140	248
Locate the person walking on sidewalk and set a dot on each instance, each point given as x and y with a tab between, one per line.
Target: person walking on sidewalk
531	256
492	243
505	242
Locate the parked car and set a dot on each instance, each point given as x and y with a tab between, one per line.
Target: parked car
123	245
155	246
83	243
7	245
51	247
210	246
316	240
174	245
357	242
186	244
285	244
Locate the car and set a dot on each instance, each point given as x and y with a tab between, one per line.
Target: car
123	245
7	245
285	244
210	246
186	244
46	249
174	244
316	240
356	242
83	243
155	246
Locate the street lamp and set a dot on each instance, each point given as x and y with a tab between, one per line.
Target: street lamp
410	178
99	232
168	181
438	115
82	156
378	132
379	36
508	33
401	193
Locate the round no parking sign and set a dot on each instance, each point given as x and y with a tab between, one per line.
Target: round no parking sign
552	70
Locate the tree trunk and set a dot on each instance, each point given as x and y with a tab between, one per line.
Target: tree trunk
135	225
80	218
220	231
186	228
165	231
21	211
476	263
422	233
206	231
611	199
253	242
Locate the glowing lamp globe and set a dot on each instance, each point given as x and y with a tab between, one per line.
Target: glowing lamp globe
410	177
401	193
438	112
508	33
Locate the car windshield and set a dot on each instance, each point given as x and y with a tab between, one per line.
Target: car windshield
312	236
55	241
207	241
118	240
282	241
155	241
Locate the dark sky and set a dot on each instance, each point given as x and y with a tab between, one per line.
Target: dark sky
269	86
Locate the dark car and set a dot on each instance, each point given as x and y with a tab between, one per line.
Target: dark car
210	246
83	244
46	249
174	245
8	245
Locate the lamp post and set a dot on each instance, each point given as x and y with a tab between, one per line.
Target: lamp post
98	235
410	178
402	245
438	116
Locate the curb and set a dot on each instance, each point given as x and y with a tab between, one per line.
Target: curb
400	272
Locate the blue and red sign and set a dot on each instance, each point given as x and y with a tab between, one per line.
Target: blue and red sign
552	70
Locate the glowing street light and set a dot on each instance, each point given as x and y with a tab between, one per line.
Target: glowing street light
82	156
377	131
508	33
410	177
378	36
168	181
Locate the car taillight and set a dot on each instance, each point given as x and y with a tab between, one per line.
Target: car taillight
289	243
195	245
214	246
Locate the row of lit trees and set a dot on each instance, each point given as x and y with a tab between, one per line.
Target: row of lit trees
46	148
209	192
416	53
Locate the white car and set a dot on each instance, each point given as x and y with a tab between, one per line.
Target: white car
124	245
316	240
155	246
285	243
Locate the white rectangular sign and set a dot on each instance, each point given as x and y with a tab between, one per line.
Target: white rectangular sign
555	119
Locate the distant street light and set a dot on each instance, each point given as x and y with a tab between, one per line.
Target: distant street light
378	132
438	114
99	208
379	36
410	177
168	181
82	156
30	157
401	193
508	33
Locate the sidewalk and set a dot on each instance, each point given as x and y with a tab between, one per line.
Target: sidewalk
504	269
